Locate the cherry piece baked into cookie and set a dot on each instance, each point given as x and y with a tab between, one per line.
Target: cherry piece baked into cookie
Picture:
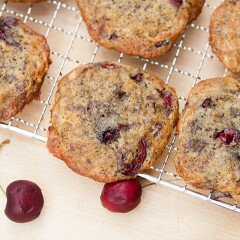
225	34
136	27
209	137
111	121
24	61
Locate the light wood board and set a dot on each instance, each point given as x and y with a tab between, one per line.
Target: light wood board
72	207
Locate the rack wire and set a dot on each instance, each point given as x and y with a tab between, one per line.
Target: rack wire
189	61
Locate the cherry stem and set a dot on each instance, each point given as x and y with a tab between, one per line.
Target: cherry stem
1	188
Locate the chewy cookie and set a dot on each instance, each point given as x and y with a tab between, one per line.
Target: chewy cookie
209	137
26	1
136	27
225	34
24	61
111	121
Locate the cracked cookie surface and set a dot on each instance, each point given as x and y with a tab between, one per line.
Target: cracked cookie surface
111	121
142	28
24	62
209	137
225	34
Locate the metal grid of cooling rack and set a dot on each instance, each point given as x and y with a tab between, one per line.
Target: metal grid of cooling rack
170	68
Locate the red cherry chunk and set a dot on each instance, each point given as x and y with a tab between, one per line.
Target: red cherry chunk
137	77
24	201
168	99
130	169
122	196
228	136
176	3
108	65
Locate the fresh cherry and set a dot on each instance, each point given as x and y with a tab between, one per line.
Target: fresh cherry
24	201
122	196
228	136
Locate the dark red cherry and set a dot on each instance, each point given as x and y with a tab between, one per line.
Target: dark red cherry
130	169
228	136
176	3
168	99
24	201
122	196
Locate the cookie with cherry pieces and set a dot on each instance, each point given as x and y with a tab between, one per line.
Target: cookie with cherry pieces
24	62
111	121
142	28
209	137
225	34
27	1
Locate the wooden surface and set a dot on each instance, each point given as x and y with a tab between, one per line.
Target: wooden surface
72	207
73	210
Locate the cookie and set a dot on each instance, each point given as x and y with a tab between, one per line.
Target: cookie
225	34
24	61
110	121
142	28
27	1
209	137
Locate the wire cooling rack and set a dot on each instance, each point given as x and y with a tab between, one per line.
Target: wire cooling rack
189	61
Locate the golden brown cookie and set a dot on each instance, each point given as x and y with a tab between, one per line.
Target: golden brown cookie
209	137
111	121
24	61
27	1
225	34
142	28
